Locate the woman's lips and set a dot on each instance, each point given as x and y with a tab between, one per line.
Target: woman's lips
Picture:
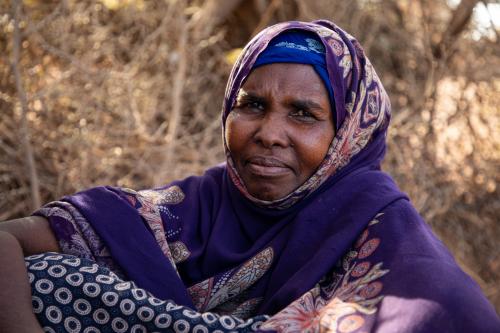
267	166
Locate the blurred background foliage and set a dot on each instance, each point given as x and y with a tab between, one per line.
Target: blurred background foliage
129	93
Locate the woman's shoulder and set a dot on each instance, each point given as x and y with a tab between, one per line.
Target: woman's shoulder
422	273
403	224
409	242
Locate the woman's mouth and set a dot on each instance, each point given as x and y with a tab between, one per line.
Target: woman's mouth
266	166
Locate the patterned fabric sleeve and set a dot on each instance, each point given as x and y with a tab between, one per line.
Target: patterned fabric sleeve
76	236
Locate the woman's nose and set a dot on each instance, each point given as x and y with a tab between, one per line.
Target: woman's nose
272	131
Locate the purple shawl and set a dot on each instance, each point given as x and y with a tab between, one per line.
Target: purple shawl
206	243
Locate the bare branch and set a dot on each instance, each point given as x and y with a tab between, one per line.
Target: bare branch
177	98
267	16
459	20
24	129
39	25
213	13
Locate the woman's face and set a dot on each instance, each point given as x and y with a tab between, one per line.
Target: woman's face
280	129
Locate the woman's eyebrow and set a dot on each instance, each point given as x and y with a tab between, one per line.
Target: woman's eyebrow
249	96
305	104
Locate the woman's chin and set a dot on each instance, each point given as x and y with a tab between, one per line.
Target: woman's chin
269	193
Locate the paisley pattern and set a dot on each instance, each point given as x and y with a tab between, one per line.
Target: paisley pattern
76	236
217	291
244	277
149	204
341	302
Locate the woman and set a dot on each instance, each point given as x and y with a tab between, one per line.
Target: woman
299	230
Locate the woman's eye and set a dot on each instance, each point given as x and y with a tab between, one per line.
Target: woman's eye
255	105
303	114
250	107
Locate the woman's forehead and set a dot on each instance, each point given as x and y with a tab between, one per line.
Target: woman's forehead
286	79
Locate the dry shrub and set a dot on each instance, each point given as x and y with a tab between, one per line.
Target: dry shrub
129	93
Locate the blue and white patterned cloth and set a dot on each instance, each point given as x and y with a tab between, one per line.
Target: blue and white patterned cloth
72	295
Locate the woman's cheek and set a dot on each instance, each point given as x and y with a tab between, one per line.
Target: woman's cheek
313	146
236	132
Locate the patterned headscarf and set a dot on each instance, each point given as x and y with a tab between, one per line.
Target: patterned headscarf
362	107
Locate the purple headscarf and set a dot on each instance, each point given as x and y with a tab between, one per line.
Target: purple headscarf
361	104
205	242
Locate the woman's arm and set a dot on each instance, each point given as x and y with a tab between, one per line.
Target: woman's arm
33	234
20	238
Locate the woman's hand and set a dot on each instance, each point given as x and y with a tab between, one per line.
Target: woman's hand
20	238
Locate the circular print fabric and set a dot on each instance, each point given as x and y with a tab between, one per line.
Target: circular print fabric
71	294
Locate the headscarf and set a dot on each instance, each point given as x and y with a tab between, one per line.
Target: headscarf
299	47
362	107
205	242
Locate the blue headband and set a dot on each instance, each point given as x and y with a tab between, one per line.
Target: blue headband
299	47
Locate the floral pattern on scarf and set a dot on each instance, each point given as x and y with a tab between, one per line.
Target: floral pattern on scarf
343	299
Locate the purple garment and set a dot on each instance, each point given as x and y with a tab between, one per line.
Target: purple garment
397	277
206	243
